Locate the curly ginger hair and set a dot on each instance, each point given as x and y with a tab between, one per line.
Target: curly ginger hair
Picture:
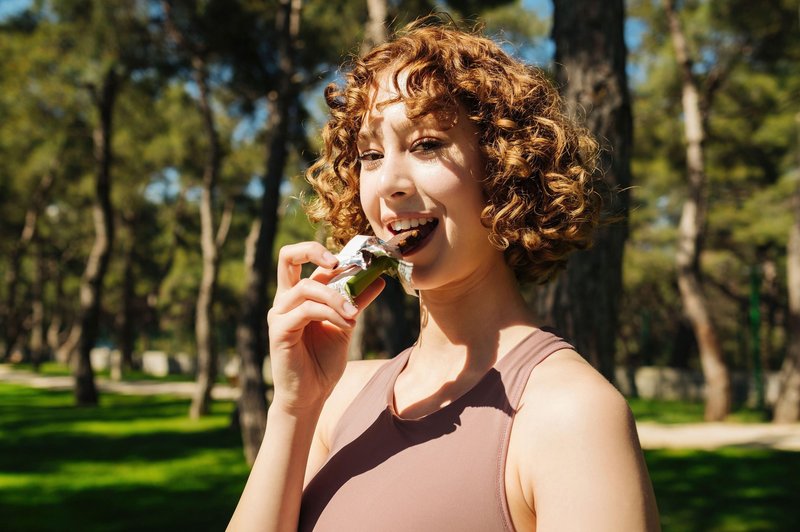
541	201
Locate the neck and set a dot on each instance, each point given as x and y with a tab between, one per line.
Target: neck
468	319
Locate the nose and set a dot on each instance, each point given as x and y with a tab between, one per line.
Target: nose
395	179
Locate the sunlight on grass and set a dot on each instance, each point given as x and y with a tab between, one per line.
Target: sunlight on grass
139	463
728	490
134	463
660	411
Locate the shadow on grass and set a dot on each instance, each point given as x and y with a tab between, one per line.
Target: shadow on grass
134	463
50	452
729	490
128	508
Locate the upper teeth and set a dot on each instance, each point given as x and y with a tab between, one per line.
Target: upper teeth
403	225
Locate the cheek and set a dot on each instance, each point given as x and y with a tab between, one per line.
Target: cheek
369	202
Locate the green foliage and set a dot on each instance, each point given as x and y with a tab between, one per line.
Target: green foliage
58	50
751	155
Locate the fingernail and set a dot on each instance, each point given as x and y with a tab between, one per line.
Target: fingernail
350	309
330	258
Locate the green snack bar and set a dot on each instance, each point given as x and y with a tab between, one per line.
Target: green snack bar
360	281
363	260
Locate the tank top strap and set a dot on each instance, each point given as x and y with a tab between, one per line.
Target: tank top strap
517	365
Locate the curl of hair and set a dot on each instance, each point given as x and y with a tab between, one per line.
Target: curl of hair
542	199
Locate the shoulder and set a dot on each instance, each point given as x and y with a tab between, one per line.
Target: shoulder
577	451
356	375
565	388
567	401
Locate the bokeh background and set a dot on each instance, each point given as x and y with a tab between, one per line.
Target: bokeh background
151	165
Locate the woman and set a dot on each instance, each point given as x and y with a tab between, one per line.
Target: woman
441	129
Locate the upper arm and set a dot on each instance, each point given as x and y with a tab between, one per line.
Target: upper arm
586	470
355	377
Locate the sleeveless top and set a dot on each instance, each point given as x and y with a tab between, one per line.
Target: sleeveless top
444	471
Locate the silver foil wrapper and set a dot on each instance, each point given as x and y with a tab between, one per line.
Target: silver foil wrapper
358	255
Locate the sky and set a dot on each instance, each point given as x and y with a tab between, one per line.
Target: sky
9	7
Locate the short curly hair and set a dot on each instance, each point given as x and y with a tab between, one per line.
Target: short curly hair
541	195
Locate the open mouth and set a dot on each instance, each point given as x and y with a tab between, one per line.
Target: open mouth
408	239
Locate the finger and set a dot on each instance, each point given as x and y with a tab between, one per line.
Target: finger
307	289
310	311
325	275
292	257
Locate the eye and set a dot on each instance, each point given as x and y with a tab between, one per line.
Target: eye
427	145
369	160
369	155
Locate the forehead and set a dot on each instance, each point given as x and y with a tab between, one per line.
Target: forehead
387	97
385	90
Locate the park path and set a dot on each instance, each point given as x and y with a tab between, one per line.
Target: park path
652	435
140	387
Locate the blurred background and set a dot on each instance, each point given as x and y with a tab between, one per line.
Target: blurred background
151	165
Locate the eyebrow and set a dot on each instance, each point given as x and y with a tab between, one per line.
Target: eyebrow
368	135
406	124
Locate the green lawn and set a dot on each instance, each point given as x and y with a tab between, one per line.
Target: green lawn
138	463
730	490
659	411
135	463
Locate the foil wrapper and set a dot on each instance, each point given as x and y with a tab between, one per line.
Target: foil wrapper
363	251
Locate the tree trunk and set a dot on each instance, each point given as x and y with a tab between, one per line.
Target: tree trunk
126	320
375	29
690	234
787	406
12	319
251	343
37	343
251	333
97	264
583	303
210	244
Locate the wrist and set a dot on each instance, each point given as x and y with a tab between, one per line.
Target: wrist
284	407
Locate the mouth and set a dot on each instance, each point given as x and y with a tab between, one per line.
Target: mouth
408	236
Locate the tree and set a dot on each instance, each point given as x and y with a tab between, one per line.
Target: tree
744	59
787	406
690	232
104	43
213	235
250	333
590	58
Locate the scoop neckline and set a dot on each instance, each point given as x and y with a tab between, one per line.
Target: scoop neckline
403	358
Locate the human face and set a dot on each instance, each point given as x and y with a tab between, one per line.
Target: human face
429	173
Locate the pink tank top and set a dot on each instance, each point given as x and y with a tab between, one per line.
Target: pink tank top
442	472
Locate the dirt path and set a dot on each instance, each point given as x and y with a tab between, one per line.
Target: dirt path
716	435
142	387
652	435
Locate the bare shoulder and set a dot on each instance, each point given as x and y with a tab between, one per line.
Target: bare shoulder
577	452
569	392
356	375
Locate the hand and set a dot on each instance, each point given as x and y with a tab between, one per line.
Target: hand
310	326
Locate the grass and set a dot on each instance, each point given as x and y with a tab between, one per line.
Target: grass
135	463
729	490
660	411
138	463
